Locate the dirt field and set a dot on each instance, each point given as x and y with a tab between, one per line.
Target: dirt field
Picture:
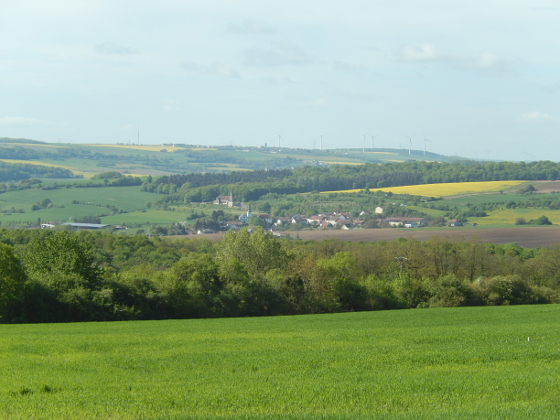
527	237
547	186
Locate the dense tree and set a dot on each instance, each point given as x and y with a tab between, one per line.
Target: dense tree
257	251
67	276
12	280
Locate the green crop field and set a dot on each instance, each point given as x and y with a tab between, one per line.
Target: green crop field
125	198
461	363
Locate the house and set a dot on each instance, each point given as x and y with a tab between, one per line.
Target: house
300	220
267	218
234	224
379	210
203	231
282	221
225	200
316	219
245	217
325	224
404	221
453	223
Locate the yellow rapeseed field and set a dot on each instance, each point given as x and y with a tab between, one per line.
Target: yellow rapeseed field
152	148
445	190
140	147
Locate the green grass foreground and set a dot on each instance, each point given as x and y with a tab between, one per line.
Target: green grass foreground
461	363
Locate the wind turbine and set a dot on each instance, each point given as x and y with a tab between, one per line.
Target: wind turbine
372	138
409	143
279	138
425	140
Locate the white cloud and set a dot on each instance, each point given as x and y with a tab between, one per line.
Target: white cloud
536	116
278	54
251	27
110	48
427	52
218	69
481	62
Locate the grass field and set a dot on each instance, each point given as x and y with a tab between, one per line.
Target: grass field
509	216
125	198
460	363
447	189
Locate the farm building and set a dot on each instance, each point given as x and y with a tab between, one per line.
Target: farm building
85	226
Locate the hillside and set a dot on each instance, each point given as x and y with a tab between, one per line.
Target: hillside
165	159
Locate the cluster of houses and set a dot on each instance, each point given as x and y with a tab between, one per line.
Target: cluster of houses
338	220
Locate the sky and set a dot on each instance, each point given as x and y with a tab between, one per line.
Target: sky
478	79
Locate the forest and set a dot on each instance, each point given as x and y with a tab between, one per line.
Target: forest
249	187
60	276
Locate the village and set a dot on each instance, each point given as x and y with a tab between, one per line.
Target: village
324	220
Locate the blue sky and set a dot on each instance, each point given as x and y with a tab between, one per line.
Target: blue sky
480	78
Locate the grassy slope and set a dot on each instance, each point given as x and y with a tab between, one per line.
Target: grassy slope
126	198
437	363
504	217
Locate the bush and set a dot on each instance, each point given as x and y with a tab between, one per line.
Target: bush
543	220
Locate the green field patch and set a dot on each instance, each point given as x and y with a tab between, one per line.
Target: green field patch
429	212
92	202
465	363
509	216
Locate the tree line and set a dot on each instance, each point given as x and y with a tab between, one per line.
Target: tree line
64	276
253	185
23	171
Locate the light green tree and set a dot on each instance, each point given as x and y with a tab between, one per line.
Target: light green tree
258	251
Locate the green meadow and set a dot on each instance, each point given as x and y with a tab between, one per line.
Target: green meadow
461	363
125	198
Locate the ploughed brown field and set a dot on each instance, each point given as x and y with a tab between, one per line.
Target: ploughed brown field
527	237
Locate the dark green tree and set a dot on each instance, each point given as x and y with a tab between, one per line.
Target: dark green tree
12	280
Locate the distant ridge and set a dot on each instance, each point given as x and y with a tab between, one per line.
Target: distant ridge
10	140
